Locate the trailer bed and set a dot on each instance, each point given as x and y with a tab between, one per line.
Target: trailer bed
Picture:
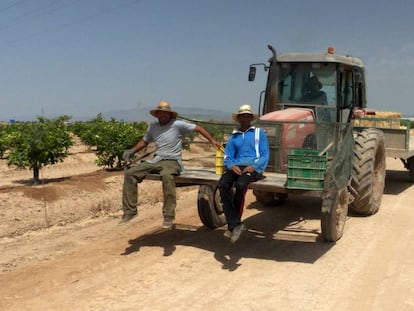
192	176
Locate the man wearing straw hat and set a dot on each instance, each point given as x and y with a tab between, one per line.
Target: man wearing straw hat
167	135
245	158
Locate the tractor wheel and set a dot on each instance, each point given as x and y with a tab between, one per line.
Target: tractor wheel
270	198
309	142
210	209
368	172
411	169
334	213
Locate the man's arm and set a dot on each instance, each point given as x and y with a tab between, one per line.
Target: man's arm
130	152
206	134
140	145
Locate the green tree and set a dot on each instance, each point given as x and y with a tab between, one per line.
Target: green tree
37	144
114	137
3	139
89	132
110	138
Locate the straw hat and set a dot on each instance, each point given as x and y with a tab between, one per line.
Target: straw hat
244	109
163	106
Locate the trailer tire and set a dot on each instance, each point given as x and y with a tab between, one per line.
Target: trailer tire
368	172
209	206
334	213
411	169
270	198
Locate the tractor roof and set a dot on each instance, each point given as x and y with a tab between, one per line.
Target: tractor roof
320	57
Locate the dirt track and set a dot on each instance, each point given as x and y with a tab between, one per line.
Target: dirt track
280	263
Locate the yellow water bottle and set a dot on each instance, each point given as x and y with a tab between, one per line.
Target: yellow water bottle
219	161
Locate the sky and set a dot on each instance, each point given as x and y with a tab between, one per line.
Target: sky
84	57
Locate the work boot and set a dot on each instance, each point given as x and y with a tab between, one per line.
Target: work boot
126	218
228	234
237	232
168	222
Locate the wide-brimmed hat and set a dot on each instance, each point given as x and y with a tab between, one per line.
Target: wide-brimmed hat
244	109
163	106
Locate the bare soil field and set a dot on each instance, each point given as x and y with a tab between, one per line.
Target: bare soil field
62	248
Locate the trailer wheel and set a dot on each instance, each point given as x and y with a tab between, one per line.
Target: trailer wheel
334	213
368	172
411	169
270	198
209	206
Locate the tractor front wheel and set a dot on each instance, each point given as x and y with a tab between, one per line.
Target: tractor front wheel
334	213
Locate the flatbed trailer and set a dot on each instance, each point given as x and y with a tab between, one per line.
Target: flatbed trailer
272	182
399	143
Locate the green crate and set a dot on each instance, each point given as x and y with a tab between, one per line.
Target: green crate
307	161
306	169
305	184
308	173
304	152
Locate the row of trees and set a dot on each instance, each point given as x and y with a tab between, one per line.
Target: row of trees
46	142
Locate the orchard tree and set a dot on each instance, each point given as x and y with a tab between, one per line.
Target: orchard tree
109	138
3	139
37	144
112	140
89	132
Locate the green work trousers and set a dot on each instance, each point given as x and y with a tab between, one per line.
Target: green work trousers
135	174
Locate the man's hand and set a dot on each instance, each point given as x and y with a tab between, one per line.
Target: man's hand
248	169
236	170
217	144
128	154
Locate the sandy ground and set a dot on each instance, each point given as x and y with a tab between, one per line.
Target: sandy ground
62	249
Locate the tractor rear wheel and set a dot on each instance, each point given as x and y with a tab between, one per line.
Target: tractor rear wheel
209	206
368	172
334	213
411	169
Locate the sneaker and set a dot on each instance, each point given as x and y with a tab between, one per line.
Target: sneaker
168	222
237	233
126	217
228	234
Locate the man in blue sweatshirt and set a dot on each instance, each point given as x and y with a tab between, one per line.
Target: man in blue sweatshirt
245	158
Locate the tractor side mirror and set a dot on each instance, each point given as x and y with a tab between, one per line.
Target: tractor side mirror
252	73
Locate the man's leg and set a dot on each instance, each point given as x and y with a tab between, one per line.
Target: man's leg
132	177
225	187
169	169
241	188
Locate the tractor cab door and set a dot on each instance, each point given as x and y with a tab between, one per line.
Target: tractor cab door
350	92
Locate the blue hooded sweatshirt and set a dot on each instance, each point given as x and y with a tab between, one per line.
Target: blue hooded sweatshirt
241	150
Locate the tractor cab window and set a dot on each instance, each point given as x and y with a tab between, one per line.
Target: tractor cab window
303	82
313	84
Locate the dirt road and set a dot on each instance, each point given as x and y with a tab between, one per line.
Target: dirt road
280	263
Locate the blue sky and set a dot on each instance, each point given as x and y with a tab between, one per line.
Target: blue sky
82	57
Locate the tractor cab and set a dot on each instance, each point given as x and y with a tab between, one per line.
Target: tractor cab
308	102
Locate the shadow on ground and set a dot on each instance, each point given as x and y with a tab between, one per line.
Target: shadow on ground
289	232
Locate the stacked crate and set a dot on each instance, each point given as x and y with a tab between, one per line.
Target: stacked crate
306	169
